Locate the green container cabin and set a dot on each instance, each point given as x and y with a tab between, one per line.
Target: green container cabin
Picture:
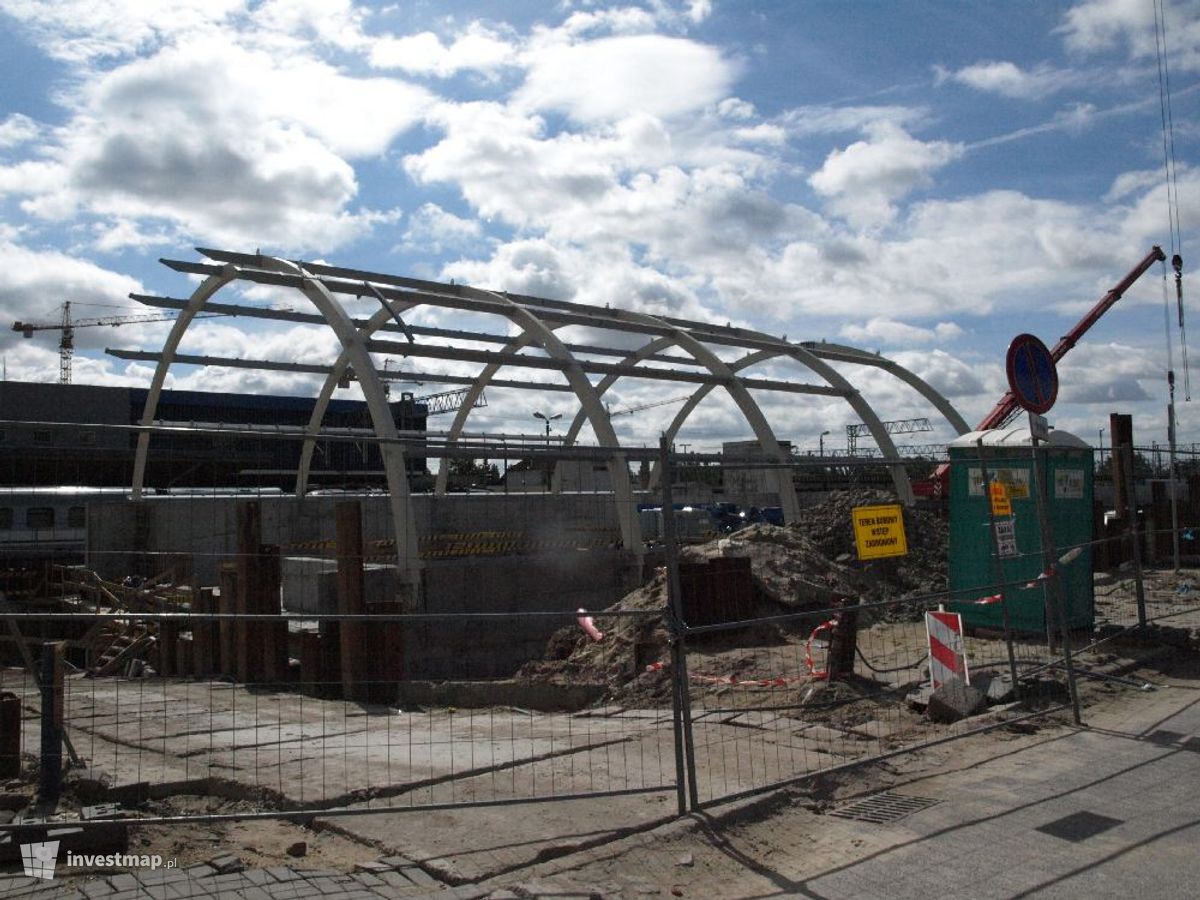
1067	469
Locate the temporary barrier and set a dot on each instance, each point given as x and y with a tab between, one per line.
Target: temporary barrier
947	659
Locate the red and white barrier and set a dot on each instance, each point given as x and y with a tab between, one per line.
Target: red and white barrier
947	656
808	657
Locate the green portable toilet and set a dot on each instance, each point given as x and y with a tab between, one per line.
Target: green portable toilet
1067	472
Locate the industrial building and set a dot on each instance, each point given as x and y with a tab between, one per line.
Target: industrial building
45	438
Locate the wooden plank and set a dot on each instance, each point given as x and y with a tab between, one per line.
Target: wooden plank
248	658
272	636
227	603
312	672
349	549
204	636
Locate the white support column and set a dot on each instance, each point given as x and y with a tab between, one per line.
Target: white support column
380	318
618	467
355	348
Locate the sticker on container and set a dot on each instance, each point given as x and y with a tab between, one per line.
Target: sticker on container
1068	484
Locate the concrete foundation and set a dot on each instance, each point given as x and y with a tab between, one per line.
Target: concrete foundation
513	554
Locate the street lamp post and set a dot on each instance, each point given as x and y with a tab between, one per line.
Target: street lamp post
1100	459
547	419
821	443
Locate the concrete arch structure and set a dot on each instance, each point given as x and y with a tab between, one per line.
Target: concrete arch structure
537	320
806	357
354	348
473	392
340	367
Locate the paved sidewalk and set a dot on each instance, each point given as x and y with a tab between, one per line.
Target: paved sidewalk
1110	810
394	878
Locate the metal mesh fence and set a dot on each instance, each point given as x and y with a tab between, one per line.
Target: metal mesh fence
255	652
764	709
230	649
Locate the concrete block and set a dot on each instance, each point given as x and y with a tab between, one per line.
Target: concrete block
419	877
997	687
310	584
374	865
919	699
227	863
393	862
955	700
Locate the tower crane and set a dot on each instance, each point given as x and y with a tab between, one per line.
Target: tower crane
66	342
629	410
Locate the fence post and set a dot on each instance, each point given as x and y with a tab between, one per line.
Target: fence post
685	758
50	771
350	588
1134	538
1052	585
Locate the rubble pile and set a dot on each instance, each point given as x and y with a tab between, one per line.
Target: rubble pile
804	566
923	571
620	660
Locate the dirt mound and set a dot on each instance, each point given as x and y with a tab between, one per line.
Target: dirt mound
630	644
829	526
804	566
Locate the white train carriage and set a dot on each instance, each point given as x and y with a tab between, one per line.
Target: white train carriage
41	522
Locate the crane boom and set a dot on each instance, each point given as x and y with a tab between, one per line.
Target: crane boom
938	483
1007	407
66	343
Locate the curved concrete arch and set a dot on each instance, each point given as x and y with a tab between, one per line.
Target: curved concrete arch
602	386
380	318
749	407
354	346
921	386
464	412
534	329
195	303
864	410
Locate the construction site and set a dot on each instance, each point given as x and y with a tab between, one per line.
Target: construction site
345	636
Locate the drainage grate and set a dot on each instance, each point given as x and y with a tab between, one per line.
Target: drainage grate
1079	826
883	808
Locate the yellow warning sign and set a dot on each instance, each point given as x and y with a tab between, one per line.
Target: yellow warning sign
879	531
1001	505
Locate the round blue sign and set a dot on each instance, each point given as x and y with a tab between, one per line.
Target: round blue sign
1032	375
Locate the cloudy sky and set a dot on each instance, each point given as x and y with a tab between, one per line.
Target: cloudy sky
922	179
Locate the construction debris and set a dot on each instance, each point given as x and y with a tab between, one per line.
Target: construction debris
809	565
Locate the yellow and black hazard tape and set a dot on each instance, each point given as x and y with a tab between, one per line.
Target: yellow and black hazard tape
310	545
452	545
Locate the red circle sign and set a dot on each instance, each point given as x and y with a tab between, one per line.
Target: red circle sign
1032	374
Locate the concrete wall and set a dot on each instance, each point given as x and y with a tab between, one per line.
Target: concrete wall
563	559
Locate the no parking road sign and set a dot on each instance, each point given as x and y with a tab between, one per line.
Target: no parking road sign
1032	374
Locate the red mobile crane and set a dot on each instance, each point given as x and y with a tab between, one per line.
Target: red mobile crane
1003	411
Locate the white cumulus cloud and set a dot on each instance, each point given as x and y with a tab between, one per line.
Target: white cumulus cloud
609	78
863	180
